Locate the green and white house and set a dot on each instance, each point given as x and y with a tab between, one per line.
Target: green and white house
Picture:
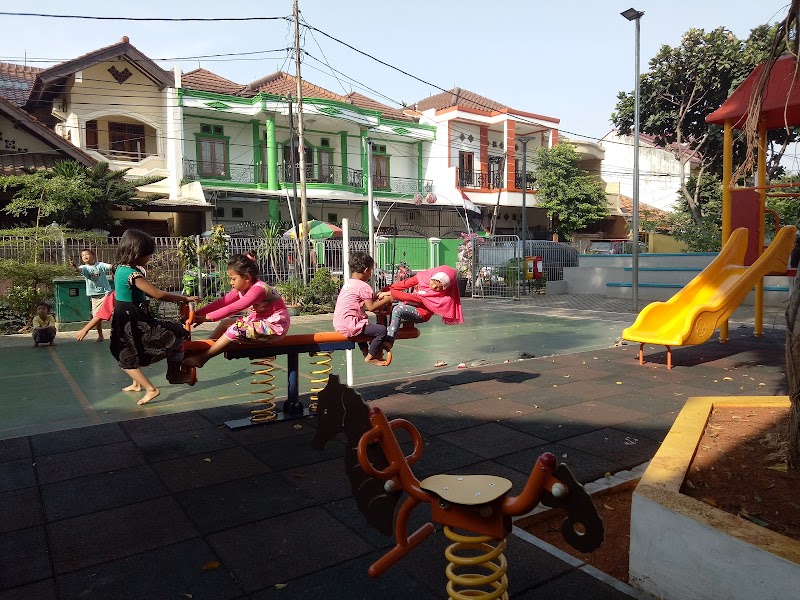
238	146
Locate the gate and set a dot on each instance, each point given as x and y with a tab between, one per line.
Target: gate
499	269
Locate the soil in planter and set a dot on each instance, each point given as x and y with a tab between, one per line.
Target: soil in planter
614	507
740	467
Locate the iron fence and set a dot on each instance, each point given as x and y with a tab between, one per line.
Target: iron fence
498	267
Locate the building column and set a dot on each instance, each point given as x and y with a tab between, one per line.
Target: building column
257	158
420	170
343	154
173	143
363	146
511	152
433	244
483	149
553	137
272	154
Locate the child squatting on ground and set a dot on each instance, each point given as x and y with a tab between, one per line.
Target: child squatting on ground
137	338
349	317
44	326
97	286
267	321
434	293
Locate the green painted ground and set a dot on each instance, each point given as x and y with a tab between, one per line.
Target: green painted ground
76	384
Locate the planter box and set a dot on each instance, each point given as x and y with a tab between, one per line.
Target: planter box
684	549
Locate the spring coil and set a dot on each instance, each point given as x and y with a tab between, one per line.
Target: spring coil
267	412
491	561
319	375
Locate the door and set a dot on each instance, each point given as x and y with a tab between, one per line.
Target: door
466	170
287	163
380	172
495	171
325	167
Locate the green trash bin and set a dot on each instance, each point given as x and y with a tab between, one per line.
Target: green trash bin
71	303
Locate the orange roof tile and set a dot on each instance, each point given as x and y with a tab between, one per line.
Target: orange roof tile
206	81
363	101
459	97
283	84
626	207
16	82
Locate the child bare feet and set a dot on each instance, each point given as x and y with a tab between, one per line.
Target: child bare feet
133	387
149	396
100	338
371	360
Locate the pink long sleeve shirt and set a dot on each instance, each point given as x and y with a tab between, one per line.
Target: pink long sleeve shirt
264	303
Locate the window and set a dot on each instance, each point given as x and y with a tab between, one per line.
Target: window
126	140
237	213
333	218
325	143
213	129
466	162
219	212
212	156
377	148
91	135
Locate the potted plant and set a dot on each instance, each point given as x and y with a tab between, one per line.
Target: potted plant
292	292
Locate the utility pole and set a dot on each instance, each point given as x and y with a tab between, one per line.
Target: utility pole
301	143
292	164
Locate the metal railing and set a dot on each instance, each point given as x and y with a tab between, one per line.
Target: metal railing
234	172
518	176
331	174
479	179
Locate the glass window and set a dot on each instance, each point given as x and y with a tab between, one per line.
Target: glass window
212	157
237	213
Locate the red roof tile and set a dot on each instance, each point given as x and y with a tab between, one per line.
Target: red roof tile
206	81
20	164
283	84
626	207
16	82
363	101
459	97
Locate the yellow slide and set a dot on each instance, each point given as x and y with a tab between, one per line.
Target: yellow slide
692	315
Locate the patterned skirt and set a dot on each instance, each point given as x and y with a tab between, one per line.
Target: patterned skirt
138	339
250	330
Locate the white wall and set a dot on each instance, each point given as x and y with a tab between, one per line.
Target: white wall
659	170
16	141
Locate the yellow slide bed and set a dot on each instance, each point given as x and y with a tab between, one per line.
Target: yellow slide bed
693	314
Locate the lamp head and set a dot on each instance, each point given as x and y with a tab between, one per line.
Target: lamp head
632	14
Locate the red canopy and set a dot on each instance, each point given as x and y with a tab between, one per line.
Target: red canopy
781	103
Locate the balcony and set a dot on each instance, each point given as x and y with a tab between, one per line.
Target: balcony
479	179
330	175
518	175
230	173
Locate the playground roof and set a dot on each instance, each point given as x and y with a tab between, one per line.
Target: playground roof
781	103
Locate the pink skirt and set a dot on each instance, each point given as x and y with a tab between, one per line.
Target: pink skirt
245	330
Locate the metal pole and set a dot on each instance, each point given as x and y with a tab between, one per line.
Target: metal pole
635	224
346	274
524	205
293	166
303	202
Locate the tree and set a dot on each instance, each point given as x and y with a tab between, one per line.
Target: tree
75	195
572	198
683	86
706	235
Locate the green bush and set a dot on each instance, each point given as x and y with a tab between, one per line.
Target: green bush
31	283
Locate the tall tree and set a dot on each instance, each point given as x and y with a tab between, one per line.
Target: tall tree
573	198
684	85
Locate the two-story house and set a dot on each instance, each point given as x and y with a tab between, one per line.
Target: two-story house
119	106
478	149
239	144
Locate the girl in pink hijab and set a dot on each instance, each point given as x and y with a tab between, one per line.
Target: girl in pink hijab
435	293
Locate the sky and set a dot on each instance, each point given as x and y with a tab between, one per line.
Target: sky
564	59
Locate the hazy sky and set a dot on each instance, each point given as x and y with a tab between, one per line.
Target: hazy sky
565	59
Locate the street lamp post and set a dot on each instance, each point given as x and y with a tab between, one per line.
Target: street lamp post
635	15
524	142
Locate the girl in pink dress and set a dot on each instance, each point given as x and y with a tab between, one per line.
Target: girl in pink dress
267	321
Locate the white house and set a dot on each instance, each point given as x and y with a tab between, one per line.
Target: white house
659	169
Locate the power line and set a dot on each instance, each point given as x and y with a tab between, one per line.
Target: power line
144	19
134	61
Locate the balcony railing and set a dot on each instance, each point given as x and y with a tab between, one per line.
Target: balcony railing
122	155
479	179
332	174
518	175
233	172
402	185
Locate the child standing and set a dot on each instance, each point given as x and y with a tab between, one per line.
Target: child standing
44	326
137	338
104	313
349	317
268	319
97	286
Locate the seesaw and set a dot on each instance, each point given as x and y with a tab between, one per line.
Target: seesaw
319	345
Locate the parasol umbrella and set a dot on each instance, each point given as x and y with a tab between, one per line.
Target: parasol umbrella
317	230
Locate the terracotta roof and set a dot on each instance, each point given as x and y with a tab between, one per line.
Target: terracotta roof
363	101
626	207
62	148
20	164
459	97
206	81
16	82
283	84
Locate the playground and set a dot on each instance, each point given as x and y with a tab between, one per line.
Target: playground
177	505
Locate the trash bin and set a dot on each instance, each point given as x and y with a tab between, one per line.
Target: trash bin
533	267
71	303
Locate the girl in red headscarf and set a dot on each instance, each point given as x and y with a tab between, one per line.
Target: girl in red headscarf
435	293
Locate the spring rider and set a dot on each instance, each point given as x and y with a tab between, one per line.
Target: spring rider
475	510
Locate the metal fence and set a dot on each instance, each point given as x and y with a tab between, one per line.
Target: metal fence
498	267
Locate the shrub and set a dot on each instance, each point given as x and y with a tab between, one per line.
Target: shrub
31	283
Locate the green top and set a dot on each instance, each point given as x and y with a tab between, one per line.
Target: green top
123	285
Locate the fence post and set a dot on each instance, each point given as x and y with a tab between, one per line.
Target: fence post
346	273
434	254
199	268
383	254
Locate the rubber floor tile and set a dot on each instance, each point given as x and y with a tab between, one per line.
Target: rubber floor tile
262	554
575	585
75	439
23	557
20	509
88	461
212	468
41	590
